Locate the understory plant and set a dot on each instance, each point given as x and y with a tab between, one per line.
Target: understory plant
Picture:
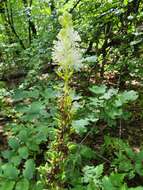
68	58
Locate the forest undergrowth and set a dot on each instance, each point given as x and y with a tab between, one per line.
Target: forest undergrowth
71	95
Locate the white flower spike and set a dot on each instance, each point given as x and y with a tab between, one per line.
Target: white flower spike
66	52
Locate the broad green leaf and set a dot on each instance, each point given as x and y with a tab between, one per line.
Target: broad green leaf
109	94
98	89
23	135
91	59
21	108
87	152
23	184
7	154
107	184
29	170
92	173
79	125
13	143
117	179
15	160
139	168
7	185
49	93
19	95
9	171
23	152
35	108
128	96
32	145
38	186
33	94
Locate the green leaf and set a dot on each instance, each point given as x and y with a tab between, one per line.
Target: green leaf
29	169
15	160
79	125
98	89
23	135
7	185
91	59
125	2
117	179
7	154
36	107
13	143
109	94
86	152
23	184
49	93
107	184
9	171
38	186
32	145
33	94
20	95
21	108
139	156
135	42
139	168
23	152
128	96
92	173
124	187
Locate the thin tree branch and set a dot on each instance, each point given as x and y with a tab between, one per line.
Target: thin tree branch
31	25
11	24
76	4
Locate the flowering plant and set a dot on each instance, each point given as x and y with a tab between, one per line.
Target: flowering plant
66	51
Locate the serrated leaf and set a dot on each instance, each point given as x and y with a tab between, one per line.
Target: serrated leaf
79	125
86	152
20	95
29	170
23	135
7	185
128	96
35	107
98	89
111	92
15	160
9	171
7	154
117	179
49	93
91	59
38	186
92	173
33	93
23	184
107	183
23	152
13	143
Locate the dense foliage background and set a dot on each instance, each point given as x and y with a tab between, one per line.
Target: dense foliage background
74	129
